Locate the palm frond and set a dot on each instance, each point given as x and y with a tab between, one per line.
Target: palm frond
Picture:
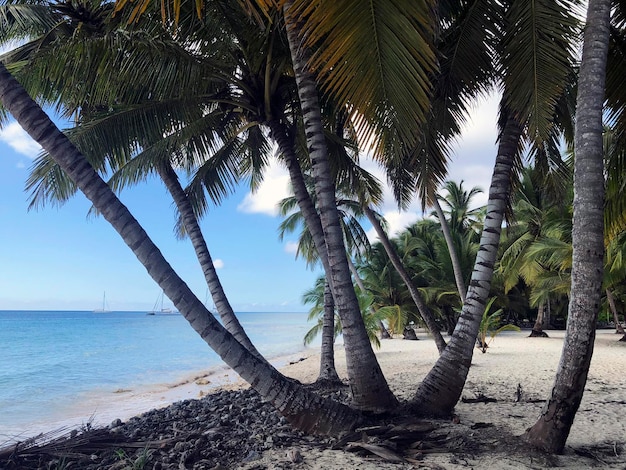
386	84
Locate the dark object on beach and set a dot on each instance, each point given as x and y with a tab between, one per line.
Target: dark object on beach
480	398
538	334
409	333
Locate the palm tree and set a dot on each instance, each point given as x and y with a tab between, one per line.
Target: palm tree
356	240
155	151
425	312
536	58
537	213
281	131
367	383
552	428
461	219
303	409
382	282
322	299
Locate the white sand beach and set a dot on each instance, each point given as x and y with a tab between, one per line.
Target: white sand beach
512	359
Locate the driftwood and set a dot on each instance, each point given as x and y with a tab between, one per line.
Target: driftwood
402	442
479	399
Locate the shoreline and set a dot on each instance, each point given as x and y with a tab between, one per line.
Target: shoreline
98	408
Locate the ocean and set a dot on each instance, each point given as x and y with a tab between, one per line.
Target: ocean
56	362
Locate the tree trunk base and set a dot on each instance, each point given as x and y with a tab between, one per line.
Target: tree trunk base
409	333
326	384
538	334
623	339
619	330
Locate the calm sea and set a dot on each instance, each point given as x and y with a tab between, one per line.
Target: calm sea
50	360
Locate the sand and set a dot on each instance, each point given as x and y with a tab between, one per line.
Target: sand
512	359
513	362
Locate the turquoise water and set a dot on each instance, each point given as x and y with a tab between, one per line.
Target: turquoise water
50	359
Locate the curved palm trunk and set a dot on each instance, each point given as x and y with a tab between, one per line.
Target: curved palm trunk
369	388
619	329
441	388
424	311
454	257
553	426
190	222
301	408
384	334
328	372
537	331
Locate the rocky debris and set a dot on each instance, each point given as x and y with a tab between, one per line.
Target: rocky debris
221	430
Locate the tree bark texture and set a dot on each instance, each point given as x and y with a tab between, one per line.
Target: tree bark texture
441	389
619	329
551	430
286	144
368	385
190	222
328	372
303	409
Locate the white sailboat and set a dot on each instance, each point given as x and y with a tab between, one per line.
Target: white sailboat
105	307
158	306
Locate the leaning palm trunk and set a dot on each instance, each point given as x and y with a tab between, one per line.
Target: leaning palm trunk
553	426
190	222
619	329
302	409
424	311
369	388
454	258
285	143
384	334
441	388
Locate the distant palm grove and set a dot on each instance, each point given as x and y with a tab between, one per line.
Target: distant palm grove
203	93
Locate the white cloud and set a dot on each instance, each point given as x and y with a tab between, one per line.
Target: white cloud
218	263
482	126
291	247
472	162
275	187
19	140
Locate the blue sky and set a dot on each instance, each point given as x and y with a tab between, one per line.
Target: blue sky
63	259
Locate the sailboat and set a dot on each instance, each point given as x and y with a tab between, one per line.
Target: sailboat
104	305
158	306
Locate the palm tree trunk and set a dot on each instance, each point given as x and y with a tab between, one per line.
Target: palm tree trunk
441	388
286	146
454	258
303	409
369	388
424	311
551	430
190	222
619	329
384	334
328	372
537	331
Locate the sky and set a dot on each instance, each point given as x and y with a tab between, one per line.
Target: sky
62	258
